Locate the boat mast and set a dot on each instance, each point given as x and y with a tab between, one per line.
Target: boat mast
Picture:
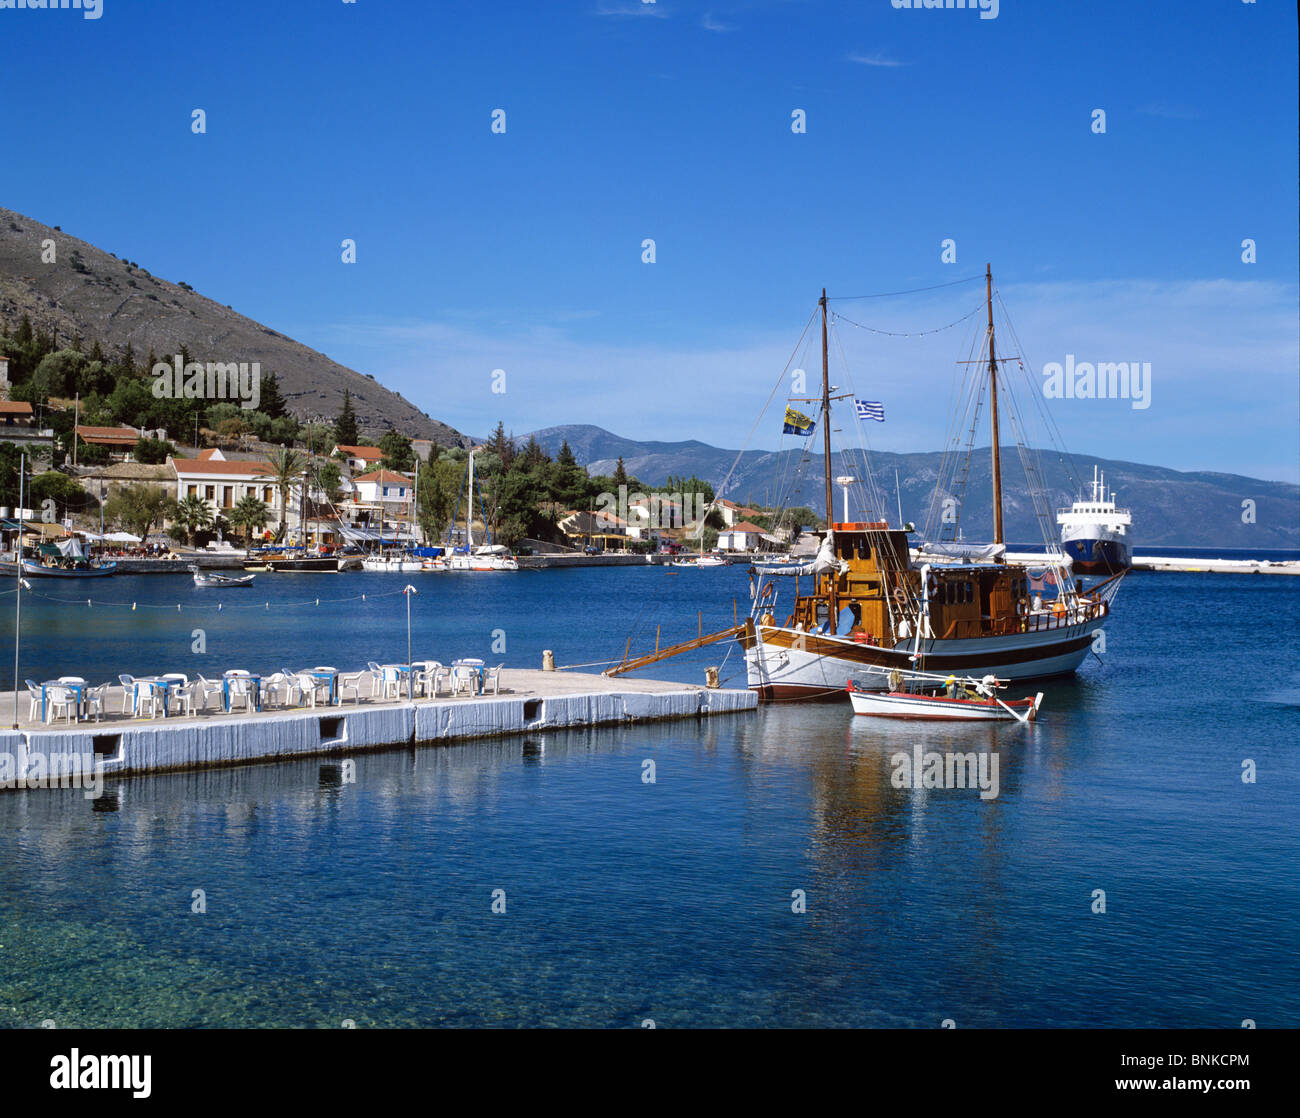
993	398
833	604
469	505
826	417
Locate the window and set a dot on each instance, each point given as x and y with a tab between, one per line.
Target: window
191	491
266	494
227	496
209	492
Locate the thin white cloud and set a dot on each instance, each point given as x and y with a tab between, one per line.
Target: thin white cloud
1170	112
629	8
709	23
875	58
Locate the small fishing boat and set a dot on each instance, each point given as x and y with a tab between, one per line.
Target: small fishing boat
84	568
216	580
64	559
958	700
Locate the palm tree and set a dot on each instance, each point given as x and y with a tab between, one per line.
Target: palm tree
249	514
192	514
286	470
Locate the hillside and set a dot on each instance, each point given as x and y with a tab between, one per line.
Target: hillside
1198	509
90	292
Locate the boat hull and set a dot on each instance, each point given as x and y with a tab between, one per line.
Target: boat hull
1097	556
35	570
323	563
785	665
940	708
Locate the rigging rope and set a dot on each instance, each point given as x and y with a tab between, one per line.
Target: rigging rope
916	334
911	291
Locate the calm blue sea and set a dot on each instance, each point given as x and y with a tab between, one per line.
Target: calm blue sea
372	902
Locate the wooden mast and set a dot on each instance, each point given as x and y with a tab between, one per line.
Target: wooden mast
833	598
826	416
993	398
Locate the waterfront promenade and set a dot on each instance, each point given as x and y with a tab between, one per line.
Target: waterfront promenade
529	701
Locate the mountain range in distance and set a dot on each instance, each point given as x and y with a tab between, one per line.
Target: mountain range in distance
1169	507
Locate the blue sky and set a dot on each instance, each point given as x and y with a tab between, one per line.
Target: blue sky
672	121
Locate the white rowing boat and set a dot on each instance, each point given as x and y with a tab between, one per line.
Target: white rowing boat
917	695
213	580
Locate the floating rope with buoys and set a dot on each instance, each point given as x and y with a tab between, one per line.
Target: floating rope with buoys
218	607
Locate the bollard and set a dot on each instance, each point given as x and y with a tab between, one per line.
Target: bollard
711	677
548	660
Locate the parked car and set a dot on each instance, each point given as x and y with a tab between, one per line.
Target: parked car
591	549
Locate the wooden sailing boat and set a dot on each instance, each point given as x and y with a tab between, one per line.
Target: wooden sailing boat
966	612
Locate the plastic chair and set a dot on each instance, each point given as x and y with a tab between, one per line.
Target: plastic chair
493	677
465	677
308	686
352	682
242	689
204	689
433	675
60	697
34	694
96	697
272	685
392	682
128	693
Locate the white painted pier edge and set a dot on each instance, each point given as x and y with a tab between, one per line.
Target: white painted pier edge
153	747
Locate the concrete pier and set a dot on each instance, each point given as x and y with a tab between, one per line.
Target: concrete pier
529	701
1162	563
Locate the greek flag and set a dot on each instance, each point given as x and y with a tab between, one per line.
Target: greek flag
871	409
796	423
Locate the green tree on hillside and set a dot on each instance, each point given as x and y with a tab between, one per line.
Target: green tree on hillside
398	454
271	402
345	426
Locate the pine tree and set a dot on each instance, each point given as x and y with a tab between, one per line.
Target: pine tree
565	457
503	446
345	427
272	403
620	472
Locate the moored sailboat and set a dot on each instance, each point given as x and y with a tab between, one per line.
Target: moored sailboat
868	606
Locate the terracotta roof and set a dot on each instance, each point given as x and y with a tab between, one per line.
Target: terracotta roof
369	453
129	471
745	526
214	467
384	477
15	407
110	436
